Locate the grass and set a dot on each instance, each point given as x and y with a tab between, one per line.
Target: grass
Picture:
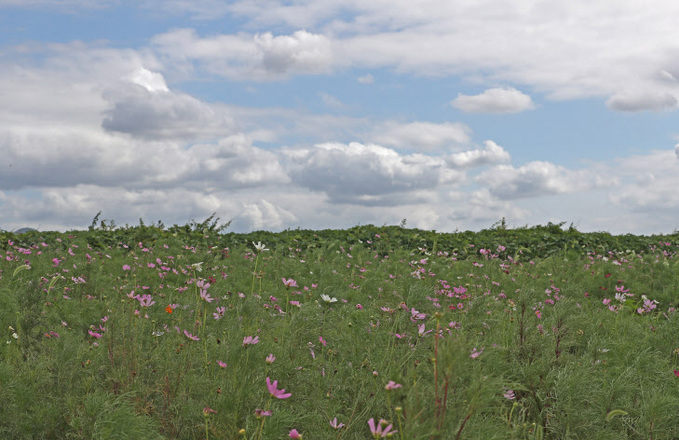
490	346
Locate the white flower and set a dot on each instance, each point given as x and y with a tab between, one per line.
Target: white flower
327	298
15	336
197	266
259	247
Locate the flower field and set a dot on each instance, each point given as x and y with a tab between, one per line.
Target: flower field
187	333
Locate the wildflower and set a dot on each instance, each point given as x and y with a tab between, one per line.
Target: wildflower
295	434
392	385
207	411
95	335
676	373
221	364
382	430
249	340
220	313
190	336
126	267
289	282
273	389
206	296
168	309
475	353
295	303
327	298
322	341
359	307
259	247
259	413
335	425
197	266
145	300
420	330
509	394
270	358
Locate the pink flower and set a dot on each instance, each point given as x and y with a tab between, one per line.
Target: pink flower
207	411
270	358
322	341
273	389
382	430
289	282
392	385
295	434
509	395
190	336
126	267
95	335
359	307
475	353
206	296
336	425
145	300
259	413
221	364
249	340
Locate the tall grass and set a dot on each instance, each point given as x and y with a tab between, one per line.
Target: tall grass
487	347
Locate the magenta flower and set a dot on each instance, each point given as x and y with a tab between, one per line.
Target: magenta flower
95	335
126	267
295	434
273	389
382	430
221	364
249	340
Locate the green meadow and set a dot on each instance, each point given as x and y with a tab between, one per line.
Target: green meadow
192	332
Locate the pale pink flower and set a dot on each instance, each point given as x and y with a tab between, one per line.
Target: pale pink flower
289	282
509	395
336	425
295	434
190	336
392	385
475	353
249	340
270	358
259	413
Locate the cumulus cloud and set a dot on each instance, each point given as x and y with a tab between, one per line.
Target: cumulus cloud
422	136
497	100
366	174
634	102
534	179
151	111
492	154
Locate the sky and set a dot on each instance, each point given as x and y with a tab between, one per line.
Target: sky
315	114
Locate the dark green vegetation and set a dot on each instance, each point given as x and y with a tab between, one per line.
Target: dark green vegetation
154	332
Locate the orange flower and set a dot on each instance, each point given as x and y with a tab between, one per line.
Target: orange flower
168	309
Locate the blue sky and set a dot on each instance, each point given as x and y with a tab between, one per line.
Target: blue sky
327	114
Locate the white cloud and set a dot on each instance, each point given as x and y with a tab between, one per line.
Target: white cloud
367	174
247	57
497	100
366	79
535	179
492	154
149	112
422	136
634	102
